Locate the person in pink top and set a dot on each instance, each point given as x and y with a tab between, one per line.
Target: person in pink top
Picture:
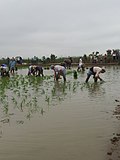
59	71
95	71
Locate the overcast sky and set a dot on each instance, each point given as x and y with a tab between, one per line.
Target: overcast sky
62	27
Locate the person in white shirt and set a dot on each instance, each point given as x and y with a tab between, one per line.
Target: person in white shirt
81	66
35	70
95	71
59	71
4	70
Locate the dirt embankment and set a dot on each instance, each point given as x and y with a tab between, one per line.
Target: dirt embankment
114	150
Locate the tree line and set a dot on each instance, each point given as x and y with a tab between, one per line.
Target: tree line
110	56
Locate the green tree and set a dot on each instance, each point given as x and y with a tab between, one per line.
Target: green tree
43	59
53	57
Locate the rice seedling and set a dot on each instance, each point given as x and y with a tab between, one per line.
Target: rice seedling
19	121
29	116
5	108
69	72
18	94
47	99
42	111
26	93
6	120
53	91
29	103
75	74
14	101
17	83
42	91
21	106
23	101
74	87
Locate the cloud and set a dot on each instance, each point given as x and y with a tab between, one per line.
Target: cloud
63	27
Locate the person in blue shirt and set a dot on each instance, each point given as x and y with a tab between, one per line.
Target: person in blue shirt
12	65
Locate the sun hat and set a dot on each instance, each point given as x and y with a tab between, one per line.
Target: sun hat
103	68
52	67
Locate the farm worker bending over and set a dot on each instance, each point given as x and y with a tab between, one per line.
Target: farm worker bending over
35	70
81	65
4	70
95	71
59	71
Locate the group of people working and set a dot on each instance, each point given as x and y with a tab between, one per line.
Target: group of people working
35	70
95	71
5	70
59	70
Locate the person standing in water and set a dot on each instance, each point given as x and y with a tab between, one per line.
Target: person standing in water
4	70
59	71
12	65
95	71
81	65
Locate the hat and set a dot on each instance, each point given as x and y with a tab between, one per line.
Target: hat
52	67
103	68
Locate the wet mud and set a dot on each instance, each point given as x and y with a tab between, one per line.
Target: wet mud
114	151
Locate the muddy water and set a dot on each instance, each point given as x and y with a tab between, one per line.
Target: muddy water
45	120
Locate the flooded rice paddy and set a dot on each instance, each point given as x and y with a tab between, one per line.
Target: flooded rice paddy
42	119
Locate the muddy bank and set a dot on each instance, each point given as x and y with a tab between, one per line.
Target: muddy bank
114	150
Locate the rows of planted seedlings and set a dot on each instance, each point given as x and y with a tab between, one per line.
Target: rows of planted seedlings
29	95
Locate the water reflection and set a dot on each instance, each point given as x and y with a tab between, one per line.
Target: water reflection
95	89
26	96
59	90
24	108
